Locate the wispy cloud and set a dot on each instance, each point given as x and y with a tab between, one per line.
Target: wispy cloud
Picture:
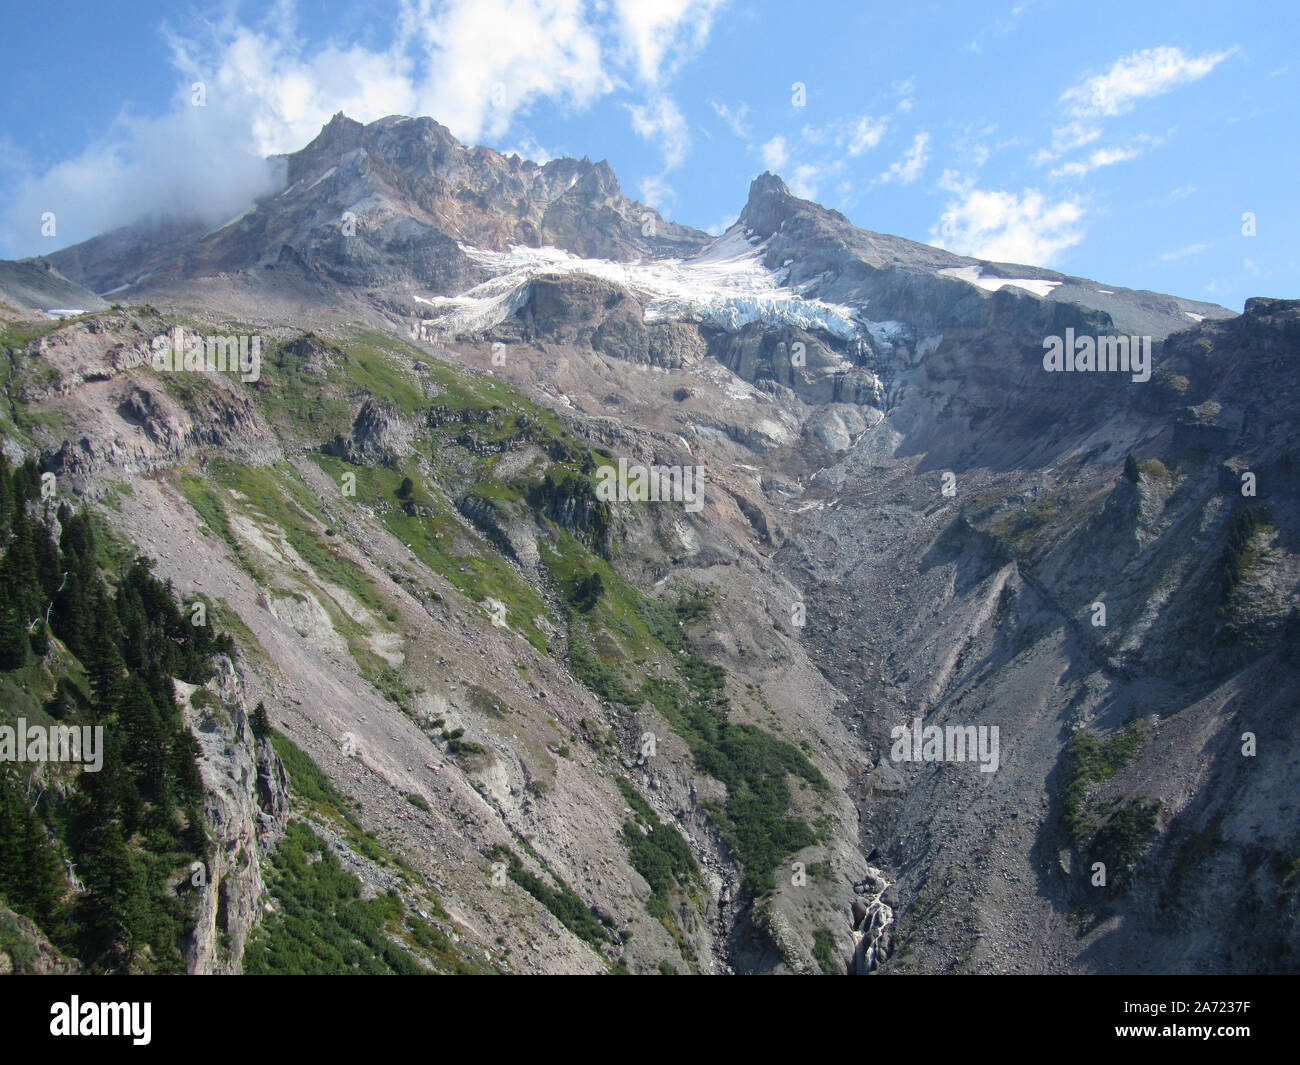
527	147
1186	253
854	135
656	192
1103	157
1066	138
1001	27
1139	76
911	166
970	143
904	90
734	117
865	134
660	121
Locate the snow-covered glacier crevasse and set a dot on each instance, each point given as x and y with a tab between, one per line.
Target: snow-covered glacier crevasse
735	312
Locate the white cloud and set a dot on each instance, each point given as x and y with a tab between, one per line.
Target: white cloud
283	96
527	147
1138	76
1066	139
1071	170
656	192
854	135
1111	156
195	162
904	90
734	117
866	133
1001	27
661	121
1107	157
998	225
909	168
1141	75
1185	253
804	181
488	59
952	181
970	143
775	153
651	30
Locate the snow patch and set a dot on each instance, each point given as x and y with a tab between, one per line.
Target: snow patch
328	173
972	275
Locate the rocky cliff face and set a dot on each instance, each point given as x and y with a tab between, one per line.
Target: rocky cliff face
245	811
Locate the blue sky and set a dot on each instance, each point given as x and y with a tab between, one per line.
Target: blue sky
1117	140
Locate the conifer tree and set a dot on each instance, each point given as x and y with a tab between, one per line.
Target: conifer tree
6	492
14	644
31	875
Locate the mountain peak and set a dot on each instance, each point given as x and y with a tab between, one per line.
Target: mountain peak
337	130
769	204
767	184
340	134
600	181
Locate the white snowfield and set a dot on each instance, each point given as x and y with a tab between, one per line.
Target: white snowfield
971	274
725	285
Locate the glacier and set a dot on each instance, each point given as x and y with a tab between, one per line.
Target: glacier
725	285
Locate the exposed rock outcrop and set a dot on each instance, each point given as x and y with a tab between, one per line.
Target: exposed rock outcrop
245	810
